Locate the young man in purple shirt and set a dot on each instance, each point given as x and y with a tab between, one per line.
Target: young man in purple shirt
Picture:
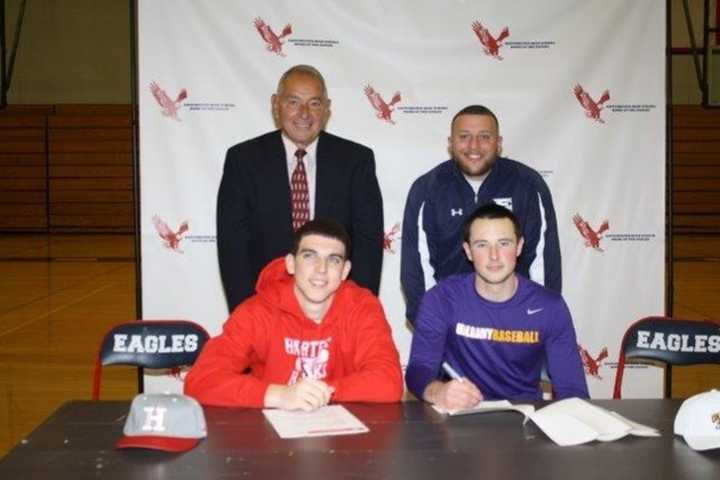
492	329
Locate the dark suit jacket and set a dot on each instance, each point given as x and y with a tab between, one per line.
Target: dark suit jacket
254	212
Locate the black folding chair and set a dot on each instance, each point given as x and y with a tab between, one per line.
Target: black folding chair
670	341
155	344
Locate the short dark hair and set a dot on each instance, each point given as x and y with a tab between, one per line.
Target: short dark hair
491	211
476	110
323	227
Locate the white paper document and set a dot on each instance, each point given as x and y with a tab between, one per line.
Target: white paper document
574	421
487	406
327	420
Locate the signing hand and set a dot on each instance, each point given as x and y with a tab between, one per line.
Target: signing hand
454	394
306	395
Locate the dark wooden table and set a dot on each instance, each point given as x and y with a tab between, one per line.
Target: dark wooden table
405	441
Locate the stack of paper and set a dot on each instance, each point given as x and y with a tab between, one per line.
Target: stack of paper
328	420
574	421
488	406
567	422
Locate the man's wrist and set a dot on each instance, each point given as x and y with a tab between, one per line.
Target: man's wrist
432	392
274	395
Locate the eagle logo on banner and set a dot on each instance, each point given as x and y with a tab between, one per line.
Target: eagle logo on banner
390	237
273	42
592	237
171	239
169	107
592	108
383	110
491	45
592	365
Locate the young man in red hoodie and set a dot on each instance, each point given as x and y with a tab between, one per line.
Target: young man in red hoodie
308	336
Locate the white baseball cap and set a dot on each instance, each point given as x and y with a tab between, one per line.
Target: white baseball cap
161	421
698	420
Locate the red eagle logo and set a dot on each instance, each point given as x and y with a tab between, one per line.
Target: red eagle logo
169	107
592	237
592	108
390	237
273	42
383	110
592	365
171	239
491	45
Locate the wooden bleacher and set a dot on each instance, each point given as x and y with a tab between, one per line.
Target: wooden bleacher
23	169
696	170
68	168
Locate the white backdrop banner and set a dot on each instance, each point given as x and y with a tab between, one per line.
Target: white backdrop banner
579	89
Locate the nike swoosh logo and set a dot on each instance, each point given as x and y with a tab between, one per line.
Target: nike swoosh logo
533	311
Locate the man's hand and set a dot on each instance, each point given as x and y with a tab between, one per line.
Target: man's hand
306	395
454	394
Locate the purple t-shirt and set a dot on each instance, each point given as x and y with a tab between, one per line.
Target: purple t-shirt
499	346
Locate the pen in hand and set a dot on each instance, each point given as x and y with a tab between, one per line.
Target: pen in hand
465	395
451	372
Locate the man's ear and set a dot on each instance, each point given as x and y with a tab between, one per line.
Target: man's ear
520	245
328	113
346	269
466	247
499	145
290	263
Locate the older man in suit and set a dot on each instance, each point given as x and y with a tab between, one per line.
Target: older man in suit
274	183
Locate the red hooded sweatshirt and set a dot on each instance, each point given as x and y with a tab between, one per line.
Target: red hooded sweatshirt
351	349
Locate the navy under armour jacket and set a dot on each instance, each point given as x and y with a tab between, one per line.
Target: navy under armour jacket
436	209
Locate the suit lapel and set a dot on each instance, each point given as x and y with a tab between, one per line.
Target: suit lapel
323	176
276	175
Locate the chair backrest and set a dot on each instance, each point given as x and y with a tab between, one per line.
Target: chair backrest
149	344
668	340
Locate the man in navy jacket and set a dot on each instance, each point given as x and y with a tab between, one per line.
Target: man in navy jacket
441	200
